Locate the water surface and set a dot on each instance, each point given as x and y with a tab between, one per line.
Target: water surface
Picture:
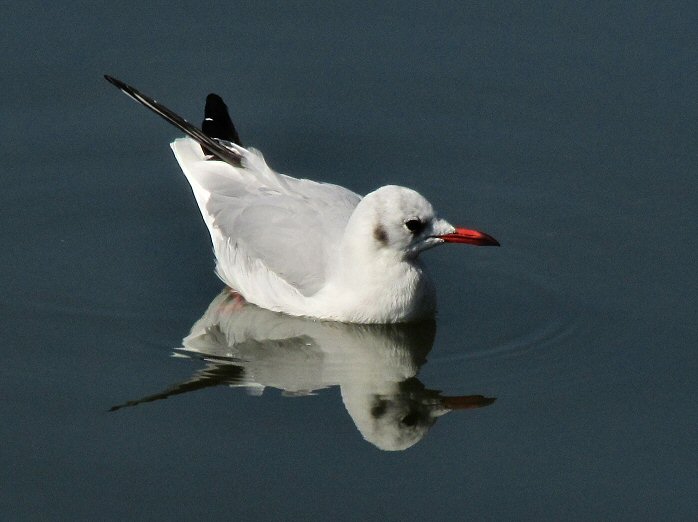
567	132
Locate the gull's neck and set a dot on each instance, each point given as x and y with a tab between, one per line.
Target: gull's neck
368	283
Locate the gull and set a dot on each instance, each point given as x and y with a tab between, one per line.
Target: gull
303	247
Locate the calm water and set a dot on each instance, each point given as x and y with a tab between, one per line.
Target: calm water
568	133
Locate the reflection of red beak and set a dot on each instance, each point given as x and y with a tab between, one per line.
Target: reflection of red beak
466	402
471	237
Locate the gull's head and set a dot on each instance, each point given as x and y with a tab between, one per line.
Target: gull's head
401	221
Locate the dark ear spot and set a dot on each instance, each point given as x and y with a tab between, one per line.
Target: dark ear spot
380	235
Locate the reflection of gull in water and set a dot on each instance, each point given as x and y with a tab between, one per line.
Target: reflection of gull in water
375	366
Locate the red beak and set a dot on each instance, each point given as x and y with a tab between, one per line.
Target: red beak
471	237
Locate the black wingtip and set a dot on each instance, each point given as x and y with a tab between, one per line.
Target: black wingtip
217	123
119	84
209	144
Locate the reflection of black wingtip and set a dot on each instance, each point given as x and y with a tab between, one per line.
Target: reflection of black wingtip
215	374
125	405
211	146
150	398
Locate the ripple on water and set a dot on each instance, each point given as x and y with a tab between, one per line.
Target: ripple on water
511	314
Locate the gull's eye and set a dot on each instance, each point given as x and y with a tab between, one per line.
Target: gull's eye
414	225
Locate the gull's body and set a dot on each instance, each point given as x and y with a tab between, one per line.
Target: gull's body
307	248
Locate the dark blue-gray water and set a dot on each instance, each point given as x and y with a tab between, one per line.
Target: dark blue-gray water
565	130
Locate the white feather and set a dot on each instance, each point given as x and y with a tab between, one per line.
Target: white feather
313	249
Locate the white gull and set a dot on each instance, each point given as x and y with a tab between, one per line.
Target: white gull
302	247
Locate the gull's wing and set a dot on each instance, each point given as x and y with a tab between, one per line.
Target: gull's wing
292	226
